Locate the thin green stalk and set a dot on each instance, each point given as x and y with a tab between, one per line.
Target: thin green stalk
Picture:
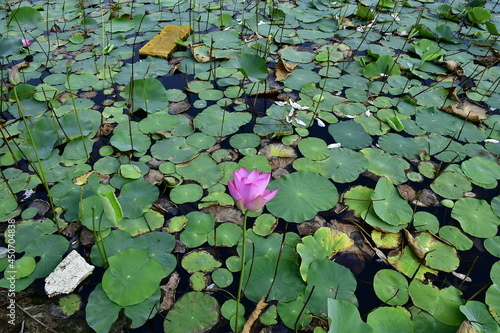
242	272
40	172
87	154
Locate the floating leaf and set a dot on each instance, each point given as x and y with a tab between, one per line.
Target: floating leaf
218	122
251	66
147	94
137	197
343	165
386	165
476	217
344	316
199	261
324	244
389	205
310	192
350	134
383	67
444	304
391	287
193	312
330	280
479	317
125	282
287	283
389	319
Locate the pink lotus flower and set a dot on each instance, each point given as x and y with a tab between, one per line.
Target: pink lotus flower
26	42
249	191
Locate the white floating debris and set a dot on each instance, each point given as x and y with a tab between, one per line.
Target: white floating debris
334	145
300	122
491	140
368	113
320	122
67	275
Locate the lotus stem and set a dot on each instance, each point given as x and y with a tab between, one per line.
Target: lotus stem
242	272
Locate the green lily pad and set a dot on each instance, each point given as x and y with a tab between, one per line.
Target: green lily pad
294	314
384	66
202	169
313	148
330	280
193	312
343	165
482	171
454	236
350	134
216	121
492	245
478	315
226	234
24	266
406	262
287	284
174	149
310	192
148	94
251	66
391	287
476	217
186	193
386	165
125	282
451	185
324	244
344	316
390	320
199	261
389	205
50	249
438	255
100	311
244	140
222	277
444	304
137	197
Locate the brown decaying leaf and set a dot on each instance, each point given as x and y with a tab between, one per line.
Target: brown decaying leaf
154	177
224	214
415	247
255	315
168	291
283	70
178	107
357	256
407	192
468	110
466	327
163	44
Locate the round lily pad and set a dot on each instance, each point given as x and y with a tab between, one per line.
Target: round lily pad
199	261
456	237
451	185
389	205
222	277
313	148
350	134
343	165
476	217
244	140
186	193
193	312
391	287
226	234
390	320
492	245
125	282
443	304
482	171
309	192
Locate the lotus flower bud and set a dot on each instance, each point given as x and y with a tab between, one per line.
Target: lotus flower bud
249	191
